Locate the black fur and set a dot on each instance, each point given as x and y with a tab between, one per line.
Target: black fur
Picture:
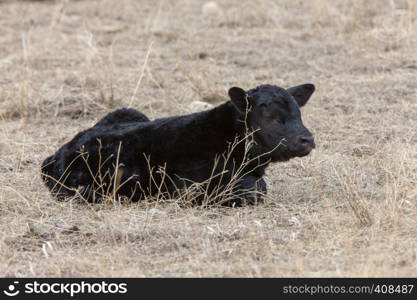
186	147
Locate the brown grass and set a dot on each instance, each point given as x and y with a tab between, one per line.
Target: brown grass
349	209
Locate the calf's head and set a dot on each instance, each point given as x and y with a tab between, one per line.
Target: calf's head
274	115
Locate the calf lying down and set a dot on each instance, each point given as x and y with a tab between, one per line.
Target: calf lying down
222	150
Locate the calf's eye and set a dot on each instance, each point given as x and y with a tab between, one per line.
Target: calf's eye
280	120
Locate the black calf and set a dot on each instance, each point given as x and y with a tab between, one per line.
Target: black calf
124	153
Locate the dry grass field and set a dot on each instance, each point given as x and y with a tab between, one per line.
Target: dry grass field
348	209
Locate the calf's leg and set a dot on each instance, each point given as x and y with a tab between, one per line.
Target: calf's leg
251	190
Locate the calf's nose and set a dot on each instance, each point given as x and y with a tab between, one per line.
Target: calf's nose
307	141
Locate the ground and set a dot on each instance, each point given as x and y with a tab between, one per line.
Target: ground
348	209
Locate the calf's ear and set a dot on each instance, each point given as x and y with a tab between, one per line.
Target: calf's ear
302	93
239	99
